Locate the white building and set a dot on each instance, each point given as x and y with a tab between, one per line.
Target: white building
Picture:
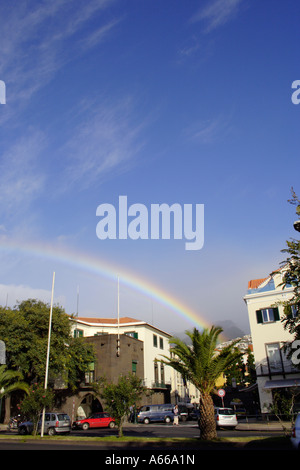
274	370
161	378
156	343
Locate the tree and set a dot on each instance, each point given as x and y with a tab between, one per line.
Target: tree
24	330
201	364
10	381
291	277
121	396
236	371
33	404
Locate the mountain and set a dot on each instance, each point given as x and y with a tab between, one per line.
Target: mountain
230	331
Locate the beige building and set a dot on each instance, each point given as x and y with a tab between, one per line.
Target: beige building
274	370
166	384
157	376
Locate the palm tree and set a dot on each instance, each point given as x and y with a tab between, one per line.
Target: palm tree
202	365
10	381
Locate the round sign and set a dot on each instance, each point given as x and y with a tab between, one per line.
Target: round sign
221	392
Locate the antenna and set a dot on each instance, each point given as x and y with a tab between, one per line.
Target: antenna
77	309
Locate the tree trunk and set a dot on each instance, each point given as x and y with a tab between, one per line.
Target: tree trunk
207	422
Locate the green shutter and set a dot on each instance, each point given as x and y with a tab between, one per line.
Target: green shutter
276	314
259	317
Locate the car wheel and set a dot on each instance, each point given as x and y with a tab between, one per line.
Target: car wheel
51	432
85	426
23	431
146	421
112	424
167	419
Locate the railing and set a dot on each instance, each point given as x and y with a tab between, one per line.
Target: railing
275	368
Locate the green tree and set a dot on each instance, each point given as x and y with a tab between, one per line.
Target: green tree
235	371
24	330
291	277
33	404
202	365
251	377
121	396
10	381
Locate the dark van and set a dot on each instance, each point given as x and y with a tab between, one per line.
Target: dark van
156	413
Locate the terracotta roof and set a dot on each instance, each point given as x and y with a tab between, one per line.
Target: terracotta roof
254	283
108	320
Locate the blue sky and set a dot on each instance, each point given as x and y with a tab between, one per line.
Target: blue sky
164	102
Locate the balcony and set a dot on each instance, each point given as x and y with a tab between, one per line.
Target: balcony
161	385
270	368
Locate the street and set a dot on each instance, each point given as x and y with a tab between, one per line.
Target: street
187	430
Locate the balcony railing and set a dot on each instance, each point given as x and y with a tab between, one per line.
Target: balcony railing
266	367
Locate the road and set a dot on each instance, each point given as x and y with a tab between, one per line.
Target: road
188	430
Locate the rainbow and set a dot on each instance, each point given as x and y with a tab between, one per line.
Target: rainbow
100	267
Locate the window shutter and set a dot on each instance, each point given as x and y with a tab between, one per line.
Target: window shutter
259	317
276	314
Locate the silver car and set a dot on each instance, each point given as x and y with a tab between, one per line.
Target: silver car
225	417
295	437
55	423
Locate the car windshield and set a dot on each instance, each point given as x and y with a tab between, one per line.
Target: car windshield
226	411
62	417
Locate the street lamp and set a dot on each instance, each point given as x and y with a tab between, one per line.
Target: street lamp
297	225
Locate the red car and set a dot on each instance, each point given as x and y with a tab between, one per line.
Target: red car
96	420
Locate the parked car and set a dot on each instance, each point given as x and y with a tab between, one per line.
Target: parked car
156	413
194	414
225	417
96	420
55	423
295	437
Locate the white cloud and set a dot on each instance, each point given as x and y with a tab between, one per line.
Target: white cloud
11	294
217	13
46	35
210	130
105	140
21	178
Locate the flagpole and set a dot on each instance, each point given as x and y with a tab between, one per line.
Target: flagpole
48	352
118	340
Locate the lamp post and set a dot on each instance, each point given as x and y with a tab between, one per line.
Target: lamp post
48	354
297	225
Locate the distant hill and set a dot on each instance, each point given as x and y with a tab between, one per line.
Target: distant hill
230	330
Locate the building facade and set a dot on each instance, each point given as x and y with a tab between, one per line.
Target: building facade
274	369
157	376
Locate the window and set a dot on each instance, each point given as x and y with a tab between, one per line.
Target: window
161	343
155	341
78	333
162	374
155	372
133	334
274	357
267	315
133	367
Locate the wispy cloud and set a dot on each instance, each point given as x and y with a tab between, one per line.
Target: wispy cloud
105	140
21	178
210	130
46	35
216	13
